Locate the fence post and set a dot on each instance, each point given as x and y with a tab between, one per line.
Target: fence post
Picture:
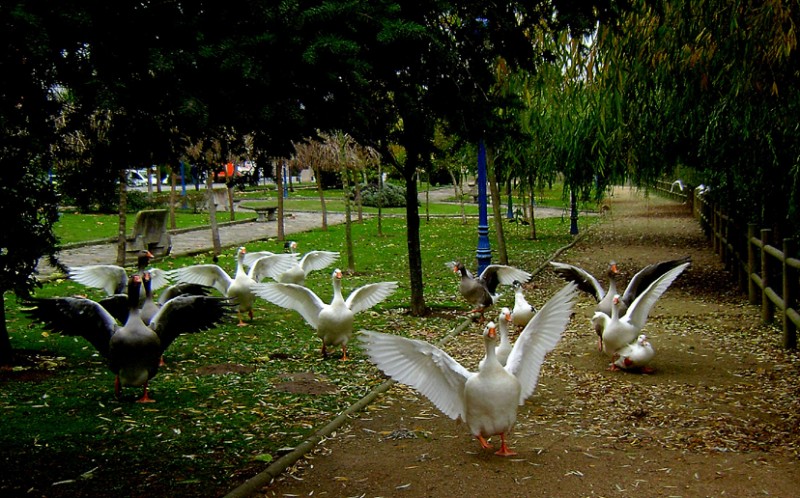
789	295
751	264
715	231
767	308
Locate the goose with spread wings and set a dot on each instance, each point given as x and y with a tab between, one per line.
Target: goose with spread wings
485	400
113	279
239	286
620	329
333	322
308	262
133	349
481	291
590	285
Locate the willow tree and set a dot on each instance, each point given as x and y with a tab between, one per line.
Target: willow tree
342	157
313	154
708	90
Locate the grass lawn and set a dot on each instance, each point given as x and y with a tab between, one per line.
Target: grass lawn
81	227
223	407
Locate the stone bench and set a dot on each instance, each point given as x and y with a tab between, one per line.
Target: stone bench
266	213
150	233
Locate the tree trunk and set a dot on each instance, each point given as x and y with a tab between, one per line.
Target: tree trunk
212	216
428	198
380	201
497	212
321	192
359	205
458	189
6	353
172	198
418	307
231	184
348	225
279	183
123	220
533	211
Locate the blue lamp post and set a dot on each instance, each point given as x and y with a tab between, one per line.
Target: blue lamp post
484	252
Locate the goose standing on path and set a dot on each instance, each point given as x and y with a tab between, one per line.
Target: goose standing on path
523	311
310	261
589	284
485	400
620	330
237	287
333	322
134	349
481	291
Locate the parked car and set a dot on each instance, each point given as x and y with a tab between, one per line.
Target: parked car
139	178
135	178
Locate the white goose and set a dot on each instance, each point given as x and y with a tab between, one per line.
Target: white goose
486	400
636	355
113	279
333	322
619	331
310	261
503	349
238	286
589	284
523	311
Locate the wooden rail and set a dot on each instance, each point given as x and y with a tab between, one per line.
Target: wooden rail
770	276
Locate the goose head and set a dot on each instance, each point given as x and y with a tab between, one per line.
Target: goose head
505	314
490	332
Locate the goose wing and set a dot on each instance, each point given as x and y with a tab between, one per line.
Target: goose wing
538	338
317	260
271	266
648	275
208	274
179	289
187	314
640	308
110	278
369	295
422	366
586	281
292	296
75	316
494	275
252	257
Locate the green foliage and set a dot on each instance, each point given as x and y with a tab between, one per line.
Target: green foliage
389	196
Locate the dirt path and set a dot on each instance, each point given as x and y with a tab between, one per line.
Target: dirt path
719	417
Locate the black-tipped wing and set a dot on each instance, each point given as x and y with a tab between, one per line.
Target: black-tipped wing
75	316
180	289
648	275
188	314
586	281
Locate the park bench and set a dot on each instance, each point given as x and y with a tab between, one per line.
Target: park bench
266	213
150	233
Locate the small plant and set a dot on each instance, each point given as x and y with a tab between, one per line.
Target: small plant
389	196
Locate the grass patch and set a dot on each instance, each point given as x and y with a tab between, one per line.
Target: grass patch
222	404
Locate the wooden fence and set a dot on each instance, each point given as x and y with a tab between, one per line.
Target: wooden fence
768	275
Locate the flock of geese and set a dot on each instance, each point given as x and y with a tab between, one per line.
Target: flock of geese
132	330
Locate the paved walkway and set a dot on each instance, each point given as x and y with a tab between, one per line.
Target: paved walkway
196	241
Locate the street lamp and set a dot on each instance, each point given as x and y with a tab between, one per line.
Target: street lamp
484	252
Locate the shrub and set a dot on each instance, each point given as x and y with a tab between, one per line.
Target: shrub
390	196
